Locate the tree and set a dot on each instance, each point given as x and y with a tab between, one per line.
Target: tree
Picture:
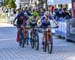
5	2
11	4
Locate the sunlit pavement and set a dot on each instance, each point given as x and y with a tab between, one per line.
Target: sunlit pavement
9	49
6	25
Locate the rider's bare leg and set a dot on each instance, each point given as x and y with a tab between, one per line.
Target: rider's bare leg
18	32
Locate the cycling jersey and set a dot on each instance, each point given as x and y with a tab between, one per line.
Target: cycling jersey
33	23
45	24
21	21
43	18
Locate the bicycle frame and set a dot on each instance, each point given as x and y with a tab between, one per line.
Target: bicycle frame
48	41
35	39
47	35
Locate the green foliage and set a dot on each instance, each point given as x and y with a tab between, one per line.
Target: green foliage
11	4
6	2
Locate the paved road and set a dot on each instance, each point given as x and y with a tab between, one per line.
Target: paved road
9	49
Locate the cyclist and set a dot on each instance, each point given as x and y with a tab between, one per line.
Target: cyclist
45	22
21	22
33	20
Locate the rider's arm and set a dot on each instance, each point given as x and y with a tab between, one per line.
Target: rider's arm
15	20
42	18
51	17
55	22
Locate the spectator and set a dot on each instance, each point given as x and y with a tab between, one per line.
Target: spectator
42	12
58	14
65	14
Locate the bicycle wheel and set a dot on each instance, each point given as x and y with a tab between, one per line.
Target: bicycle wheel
27	42
50	45
32	42
36	43
45	46
45	43
20	39
27	38
20	42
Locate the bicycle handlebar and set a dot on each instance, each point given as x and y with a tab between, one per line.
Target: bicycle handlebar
50	27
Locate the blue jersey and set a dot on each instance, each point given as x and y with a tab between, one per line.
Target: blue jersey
45	24
22	21
43	18
22	14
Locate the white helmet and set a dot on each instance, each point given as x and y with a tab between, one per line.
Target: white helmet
47	13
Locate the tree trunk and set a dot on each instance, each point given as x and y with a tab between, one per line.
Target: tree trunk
46	4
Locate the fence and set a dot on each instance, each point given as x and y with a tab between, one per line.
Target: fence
66	29
71	29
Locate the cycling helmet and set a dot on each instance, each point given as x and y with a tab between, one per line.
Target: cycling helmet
35	14
47	13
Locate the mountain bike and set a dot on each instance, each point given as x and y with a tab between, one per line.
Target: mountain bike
35	38
26	35
21	38
48	44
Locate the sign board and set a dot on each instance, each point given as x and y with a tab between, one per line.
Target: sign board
72	30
